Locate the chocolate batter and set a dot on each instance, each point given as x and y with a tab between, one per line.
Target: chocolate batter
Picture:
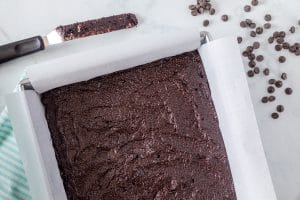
150	132
98	26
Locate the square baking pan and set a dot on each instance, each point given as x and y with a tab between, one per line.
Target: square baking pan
226	76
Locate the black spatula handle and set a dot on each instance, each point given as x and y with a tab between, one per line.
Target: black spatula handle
21	48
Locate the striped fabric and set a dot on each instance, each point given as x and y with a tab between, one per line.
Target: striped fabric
13	182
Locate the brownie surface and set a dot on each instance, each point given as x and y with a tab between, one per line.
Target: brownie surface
97	26
150	132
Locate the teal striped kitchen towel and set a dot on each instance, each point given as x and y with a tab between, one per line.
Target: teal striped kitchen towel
13	182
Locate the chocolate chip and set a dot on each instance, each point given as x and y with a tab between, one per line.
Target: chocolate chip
253	34
259	58
249	48
293	29
243	24
288	91
282	34
278	47
285	45
299	22
192	7
252	25
270	40
267	25
225	18
212	11
251	56
252	64
206	22
275	115
272	81
194	12
281	59
254	2
278	84
248	21
280	108
247	8
284	76
268	17
259	30
239	39
276	34
266	71
271	98
250	73
271	89
280	40
256	70
256	45
245	53
265	99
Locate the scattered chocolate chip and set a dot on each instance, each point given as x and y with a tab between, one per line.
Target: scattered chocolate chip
281	59
239	39
259	58
284	76
250	73
253	34
206	22
252	25
251	56
243	24
271	89
280	40
194	12
192	7
252	64
245	53
225	18
267	25
280	108
271	98
256	45
247	8
270	40
249	48
282	34
275	115
265	99
259	30
293	29
268	17
278	84
285	45
276	34
266	71
256	70
212	11
278	47
272	81
288	91
254	2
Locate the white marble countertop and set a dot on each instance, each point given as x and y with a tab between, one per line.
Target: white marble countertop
21	19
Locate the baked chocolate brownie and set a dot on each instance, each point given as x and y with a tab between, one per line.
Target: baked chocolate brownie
150	132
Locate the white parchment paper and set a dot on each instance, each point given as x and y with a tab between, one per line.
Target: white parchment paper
231	96
226	76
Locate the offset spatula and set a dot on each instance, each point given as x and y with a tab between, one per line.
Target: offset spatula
66	33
